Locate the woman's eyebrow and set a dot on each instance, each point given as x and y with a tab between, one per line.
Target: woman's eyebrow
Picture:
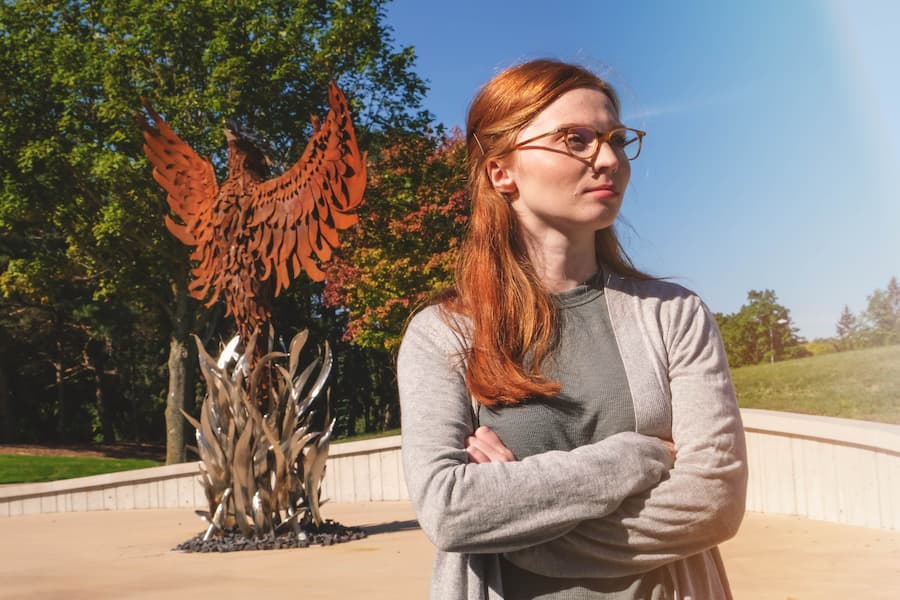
614	125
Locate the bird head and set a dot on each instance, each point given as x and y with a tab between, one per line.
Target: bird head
259	150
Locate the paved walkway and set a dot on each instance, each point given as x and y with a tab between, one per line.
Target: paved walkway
126	555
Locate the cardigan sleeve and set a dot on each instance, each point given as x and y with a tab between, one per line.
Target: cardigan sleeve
700	502
499	507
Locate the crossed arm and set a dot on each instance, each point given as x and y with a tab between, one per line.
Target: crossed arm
483	446
699	503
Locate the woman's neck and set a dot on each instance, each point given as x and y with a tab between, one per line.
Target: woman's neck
560	262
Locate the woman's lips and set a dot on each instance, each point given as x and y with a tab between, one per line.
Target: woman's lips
601	191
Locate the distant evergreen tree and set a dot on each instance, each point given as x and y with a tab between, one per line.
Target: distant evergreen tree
847	329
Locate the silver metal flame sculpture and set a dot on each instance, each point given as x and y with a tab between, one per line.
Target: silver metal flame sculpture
262	471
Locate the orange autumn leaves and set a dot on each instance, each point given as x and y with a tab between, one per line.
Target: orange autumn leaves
404	247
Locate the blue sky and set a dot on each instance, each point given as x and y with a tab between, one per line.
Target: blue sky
773	146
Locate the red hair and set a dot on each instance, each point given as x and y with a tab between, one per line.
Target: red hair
514	320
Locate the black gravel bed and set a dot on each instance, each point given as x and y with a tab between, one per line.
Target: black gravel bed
329	533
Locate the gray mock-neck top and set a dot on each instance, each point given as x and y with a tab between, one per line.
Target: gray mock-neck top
593	404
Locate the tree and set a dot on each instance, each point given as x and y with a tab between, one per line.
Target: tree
882	315
402	252
761	331
71	167
404	249
847	329
41	296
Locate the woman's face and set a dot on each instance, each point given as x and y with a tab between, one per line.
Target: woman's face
552	191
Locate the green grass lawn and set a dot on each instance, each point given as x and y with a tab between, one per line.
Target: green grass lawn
859	384
20	468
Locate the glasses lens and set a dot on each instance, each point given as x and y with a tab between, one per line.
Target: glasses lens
626	141
581	141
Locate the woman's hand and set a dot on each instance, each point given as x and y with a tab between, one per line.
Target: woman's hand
484	446
671	447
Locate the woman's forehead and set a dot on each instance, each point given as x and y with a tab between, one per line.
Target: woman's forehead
581	106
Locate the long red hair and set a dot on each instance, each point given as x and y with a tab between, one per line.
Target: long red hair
513	318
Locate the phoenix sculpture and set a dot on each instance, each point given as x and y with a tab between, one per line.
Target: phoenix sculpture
252	235
262	462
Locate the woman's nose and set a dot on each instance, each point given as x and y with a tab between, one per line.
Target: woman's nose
606	158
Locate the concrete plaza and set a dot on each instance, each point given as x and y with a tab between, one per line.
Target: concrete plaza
127	555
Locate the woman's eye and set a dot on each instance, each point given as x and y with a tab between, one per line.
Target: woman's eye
578	139
620	139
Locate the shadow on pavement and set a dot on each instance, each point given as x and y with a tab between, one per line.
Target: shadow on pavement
391	527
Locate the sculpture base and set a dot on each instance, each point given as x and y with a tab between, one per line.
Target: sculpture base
329	533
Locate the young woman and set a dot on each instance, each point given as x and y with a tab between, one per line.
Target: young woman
569	425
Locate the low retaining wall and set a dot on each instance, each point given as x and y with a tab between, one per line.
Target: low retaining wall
365	471
828	469
838	470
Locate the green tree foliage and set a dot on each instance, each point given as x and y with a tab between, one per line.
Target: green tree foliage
877	325
90	278
882	316
761	331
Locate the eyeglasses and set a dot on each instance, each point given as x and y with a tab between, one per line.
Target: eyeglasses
584	142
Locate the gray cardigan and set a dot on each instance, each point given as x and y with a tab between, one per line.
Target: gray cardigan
608	509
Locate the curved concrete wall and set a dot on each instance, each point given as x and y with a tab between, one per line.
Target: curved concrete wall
822	468
838	470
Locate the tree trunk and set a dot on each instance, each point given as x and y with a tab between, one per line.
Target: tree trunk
97	365
180	373
175	401
7	430
370	407
59	376
388	392
129	372
353	385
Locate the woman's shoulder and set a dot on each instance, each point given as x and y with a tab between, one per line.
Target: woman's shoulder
679	315
672	306
436	316
439	324
653	289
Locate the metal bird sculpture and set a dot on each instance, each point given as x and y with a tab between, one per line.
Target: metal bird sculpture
252	235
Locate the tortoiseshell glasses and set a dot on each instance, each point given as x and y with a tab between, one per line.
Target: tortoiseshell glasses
584	142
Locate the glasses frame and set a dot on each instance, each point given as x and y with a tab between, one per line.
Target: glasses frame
603	137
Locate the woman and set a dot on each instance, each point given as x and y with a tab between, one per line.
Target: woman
569	424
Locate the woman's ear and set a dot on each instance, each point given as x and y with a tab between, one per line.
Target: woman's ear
501	176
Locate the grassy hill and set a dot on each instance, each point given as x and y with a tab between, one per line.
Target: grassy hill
859	384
